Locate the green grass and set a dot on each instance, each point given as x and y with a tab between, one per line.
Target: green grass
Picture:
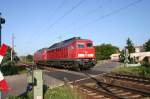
138	70
28	96
63	92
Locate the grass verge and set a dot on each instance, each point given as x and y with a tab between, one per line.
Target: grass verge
63	92
138	70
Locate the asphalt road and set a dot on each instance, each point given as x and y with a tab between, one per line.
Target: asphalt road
56	78
17	83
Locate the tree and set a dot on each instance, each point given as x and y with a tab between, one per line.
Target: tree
121	56
130	46
29	58
7	57
105	50
147	45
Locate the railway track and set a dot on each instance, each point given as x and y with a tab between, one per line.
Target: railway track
102	90
138	79
137	82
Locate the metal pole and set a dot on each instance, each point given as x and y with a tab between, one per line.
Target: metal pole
0	46
126	57
38	84
0	29
12	47
2	21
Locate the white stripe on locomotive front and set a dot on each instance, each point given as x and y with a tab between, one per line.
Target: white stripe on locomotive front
83	55
90	55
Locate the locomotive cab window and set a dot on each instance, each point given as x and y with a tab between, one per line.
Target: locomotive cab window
80	45
89	45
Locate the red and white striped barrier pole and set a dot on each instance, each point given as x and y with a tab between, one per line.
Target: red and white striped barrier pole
3	83
3	51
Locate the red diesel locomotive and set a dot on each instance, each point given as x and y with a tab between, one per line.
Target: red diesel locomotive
72	53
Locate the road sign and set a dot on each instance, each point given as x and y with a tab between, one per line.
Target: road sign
2	20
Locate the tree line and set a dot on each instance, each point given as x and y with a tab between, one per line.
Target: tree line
104	51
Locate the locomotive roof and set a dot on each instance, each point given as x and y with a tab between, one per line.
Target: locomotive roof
61	44
64	43
41	49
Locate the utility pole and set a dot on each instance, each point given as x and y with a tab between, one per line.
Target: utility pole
2	21
126	57
60	37
12	50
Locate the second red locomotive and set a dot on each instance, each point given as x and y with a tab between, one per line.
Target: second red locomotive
71	53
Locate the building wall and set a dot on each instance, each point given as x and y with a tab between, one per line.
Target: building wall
115	57
140	55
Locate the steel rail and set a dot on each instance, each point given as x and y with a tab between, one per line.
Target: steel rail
130	79
134	90
105	93
133	76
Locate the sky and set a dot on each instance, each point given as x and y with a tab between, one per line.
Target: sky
40	23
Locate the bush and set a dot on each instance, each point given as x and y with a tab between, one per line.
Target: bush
10	68
145	62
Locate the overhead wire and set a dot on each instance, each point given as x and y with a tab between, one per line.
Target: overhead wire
89	13
54	14
60	6
67	13
57	10
98	19
99	7
110	14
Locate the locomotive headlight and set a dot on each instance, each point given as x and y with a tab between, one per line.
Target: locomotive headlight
90	55
81	55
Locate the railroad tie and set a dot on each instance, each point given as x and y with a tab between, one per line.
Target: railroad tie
135	96
118	91
124	93
146	80
99	96
84	90
92	94
88	91
147	85
141	84
112	89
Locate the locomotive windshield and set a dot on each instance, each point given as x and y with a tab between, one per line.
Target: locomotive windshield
89	45
80	45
